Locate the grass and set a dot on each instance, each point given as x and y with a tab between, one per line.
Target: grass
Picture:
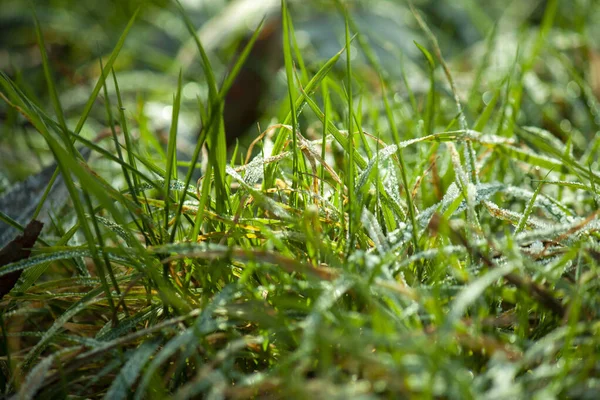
429	232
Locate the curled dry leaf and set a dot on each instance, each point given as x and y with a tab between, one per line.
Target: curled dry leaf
16	250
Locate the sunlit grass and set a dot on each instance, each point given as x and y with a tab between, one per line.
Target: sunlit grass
382	240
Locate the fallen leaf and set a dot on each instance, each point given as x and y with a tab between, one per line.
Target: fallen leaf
16	250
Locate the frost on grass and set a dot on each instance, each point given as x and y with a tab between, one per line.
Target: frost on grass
268	203
254	171
374	231
552	207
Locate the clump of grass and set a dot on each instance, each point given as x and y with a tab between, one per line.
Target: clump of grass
439	244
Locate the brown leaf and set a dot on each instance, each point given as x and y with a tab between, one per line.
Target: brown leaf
244	101
16	250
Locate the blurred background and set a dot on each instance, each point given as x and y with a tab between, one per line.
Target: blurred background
78	34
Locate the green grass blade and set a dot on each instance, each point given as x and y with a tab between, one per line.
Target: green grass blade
396	136
430	108
108	67
302	99
353	208
215	133
48	73
239	63
287	55
171	169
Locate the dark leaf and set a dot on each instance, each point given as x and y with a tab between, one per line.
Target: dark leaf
16	250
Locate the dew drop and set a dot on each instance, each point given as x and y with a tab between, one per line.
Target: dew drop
487	97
